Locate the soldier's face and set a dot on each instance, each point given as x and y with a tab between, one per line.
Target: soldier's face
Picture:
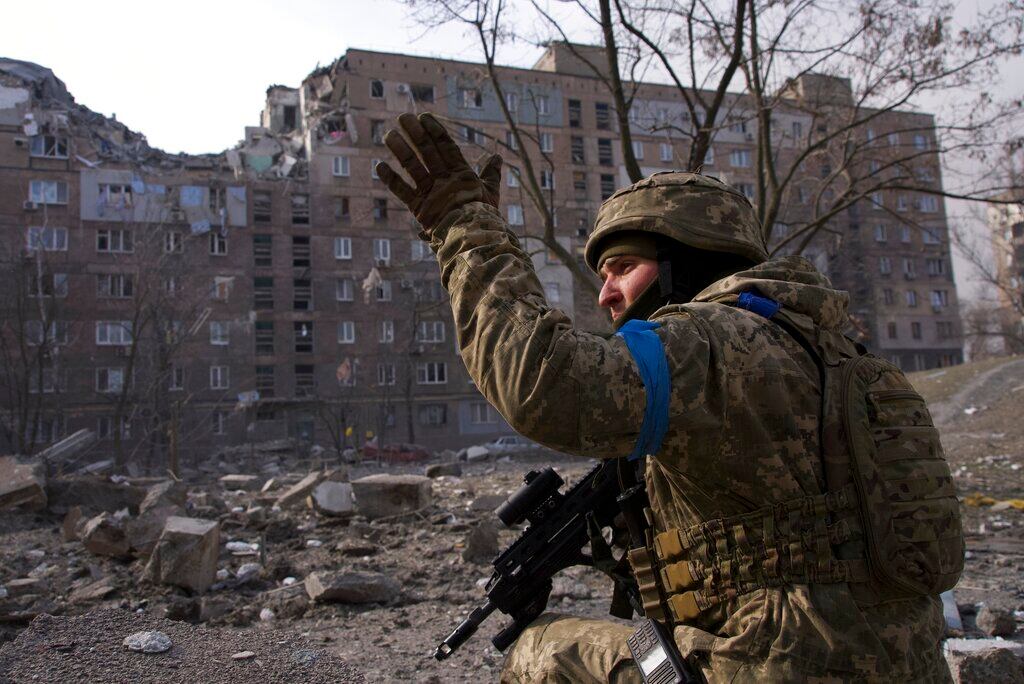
625	278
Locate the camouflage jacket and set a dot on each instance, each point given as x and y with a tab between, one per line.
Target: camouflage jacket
743	433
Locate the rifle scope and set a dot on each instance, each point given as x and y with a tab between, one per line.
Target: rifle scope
538	488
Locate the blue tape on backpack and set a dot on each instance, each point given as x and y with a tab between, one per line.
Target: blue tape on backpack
759	305
649	354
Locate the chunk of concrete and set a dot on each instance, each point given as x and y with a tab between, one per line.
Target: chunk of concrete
164	494
481	543
186	554
92	494
247	483
104	536
977	661
92	590
350	587
443	470
298	492
25	586
21	484
68	447
333	498
71	528
487	503
383	495
996	621
144	531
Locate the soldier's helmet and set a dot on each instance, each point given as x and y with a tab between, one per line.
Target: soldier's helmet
691	208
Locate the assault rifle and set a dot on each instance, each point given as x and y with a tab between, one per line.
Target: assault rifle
561	525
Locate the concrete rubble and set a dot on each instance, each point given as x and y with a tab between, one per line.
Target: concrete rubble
186	554
351	587
332	498
384	495
21	484
104	535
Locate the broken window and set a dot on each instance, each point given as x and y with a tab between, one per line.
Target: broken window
219	377
55	333
377	130
48	285
471	98
383	291
305	382
290	118
215	198
110	379
433	414
300	251
219	420
114	285
261	206
173	242
300	209
222	287
263	250
303	294
47	239
376	88
303	336
112	241
218	243
53	146
380	209
265	381
263	293
264	336
48	192
575	114
432	373
603	115
472	135
607	185
422	93
604	152
341	209
116	195
579	184
577	151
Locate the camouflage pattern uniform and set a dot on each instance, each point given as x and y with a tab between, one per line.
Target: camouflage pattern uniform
743	433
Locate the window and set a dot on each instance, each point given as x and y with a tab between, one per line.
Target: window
346	332
471	98
48	285
48	192
547	179
738	127
341	209
912	298
114	285
885	265
173	242
797	130
665	150
579	183
510	140
471	135
607	185
944	330
342	248
47	239
383	291
577	150
113	333
216	200
218	244
929	203
387	332
433	414
876	200
543	105
940	298
116	195
894	139
547	142
219	334
936	267
430	331
924	175
302	333
747	189
300	209
575	114
105	427
482	413
920	142
263	335
513	177
553	293
219	377
385	374
301	252
881	233
265	381
904	234
901	203
432	373
171	285
874	166
222	287
604	152
114	241
709	156
893	331
305	380
382	251
109	380
219	421
56	333
340	166
638	149
869	134
377	130
261	206
515	215
909	271
887	296
739	158
302	294
930	236
603	115
263	250
176	381
422	93
915	330
376	88
53	146
420	251
263	293
380	208
343	289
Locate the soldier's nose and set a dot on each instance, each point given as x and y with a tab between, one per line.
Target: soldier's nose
610	294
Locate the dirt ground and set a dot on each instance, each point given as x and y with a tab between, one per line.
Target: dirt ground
976	406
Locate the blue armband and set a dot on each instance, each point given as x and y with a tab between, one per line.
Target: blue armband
759	305
649	355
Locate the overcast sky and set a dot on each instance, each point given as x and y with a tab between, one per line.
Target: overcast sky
192	75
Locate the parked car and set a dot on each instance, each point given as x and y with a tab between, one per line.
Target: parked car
508	445
396	453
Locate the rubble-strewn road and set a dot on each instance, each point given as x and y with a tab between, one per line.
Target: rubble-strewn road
389	589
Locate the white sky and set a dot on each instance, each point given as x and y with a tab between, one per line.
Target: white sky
192	75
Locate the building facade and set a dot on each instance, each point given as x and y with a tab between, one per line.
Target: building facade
179	303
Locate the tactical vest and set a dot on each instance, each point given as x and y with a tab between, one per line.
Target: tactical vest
888	524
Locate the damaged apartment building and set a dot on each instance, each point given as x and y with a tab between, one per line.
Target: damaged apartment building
176	303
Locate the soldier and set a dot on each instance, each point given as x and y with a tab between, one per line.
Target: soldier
758	539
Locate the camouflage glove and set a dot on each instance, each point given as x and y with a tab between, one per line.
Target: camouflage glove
444	180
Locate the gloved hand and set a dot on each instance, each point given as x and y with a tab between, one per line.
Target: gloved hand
444	180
